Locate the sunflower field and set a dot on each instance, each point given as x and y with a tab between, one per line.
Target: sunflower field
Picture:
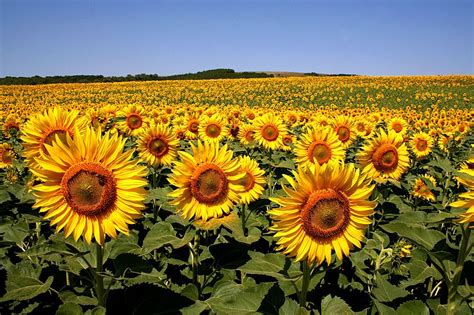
312	195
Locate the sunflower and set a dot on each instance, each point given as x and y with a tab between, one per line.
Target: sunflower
192	130
398	125
327	208
465	201
252	182
42	129
443	141
11	127
422	190
157	145
384	157
270	130
91	187
212	129
319	145
421	144
207	181
247	135
344	127
134	120
467	168
288	141
7	155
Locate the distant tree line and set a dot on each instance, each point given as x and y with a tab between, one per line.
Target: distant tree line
314	74
208	74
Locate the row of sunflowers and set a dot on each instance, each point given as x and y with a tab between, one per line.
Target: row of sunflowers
237	208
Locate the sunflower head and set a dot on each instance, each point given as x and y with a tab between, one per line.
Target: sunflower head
158	145
42	129
253	181
319	146
421	144
421	188
90	186
7	155
384	157
207	181
270	131
325	209
133	120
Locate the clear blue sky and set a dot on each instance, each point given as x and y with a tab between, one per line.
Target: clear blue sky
384	37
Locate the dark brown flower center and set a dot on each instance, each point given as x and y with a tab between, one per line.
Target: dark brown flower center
385	158
134	121
89	189
158	147
209	184
213	130
270	132
421	145
248	181
397	127
320	152
325	215
343	133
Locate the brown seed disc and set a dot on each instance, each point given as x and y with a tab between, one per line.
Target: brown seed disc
325	215
89	189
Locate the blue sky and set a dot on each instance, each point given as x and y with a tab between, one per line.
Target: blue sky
384	37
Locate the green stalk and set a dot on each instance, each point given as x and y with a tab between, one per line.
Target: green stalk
194	251
464	250
243	218
99	280
304	287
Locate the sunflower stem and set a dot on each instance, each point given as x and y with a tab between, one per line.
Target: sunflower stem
99	279
194	251
304	287
464	250
243	218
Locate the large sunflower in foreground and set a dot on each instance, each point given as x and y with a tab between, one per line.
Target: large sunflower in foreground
42	129
421	144
207	181
253	181
326	209
318	146
91	187
158	145
384	157
269	132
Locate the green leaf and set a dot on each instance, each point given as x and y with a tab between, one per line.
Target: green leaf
272	265
71	297
98	310
416	233
384	309
387	292
4	195
413	307
334	305
232	298
24	288
399	203
419	272
154	277
163	233
292	307
69	309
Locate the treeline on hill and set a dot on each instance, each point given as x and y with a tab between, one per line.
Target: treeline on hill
314	74
202	75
